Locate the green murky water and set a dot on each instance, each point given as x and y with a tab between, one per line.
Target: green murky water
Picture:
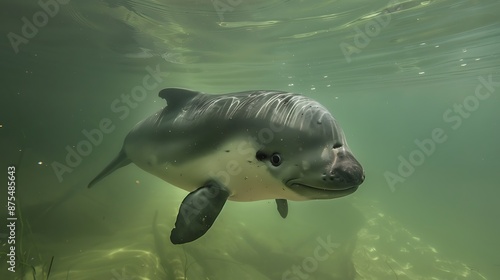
414	84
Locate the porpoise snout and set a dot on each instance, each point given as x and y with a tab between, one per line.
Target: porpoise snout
346	171
346	175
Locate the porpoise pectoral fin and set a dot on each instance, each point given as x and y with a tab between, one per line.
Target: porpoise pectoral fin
282	206
120	161
198	212
177	96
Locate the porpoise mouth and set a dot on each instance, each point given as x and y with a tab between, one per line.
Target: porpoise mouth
319	192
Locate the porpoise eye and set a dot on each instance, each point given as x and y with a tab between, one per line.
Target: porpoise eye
276	159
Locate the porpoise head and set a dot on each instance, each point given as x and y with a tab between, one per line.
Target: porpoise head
310	154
